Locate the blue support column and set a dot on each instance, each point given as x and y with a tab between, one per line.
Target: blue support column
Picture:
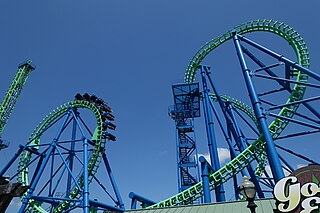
226	136
71	157
224	131
213	149
133	203
16	155
241	141
233	127
51	175
112	180
179	176
205	167
86	205
260	115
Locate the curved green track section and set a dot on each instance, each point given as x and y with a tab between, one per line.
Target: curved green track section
257	149
34	140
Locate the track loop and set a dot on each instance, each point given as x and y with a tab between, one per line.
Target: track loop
257	149
101	112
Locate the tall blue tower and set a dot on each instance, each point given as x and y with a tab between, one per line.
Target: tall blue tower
186	108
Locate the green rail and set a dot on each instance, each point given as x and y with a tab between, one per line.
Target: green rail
13	94
256	151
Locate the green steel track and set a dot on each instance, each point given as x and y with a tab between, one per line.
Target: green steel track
34	141
256	151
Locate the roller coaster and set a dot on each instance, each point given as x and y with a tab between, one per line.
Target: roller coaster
59	169
295	79
263	149
74	159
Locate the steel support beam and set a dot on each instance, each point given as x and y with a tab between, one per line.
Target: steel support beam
205	171
280	57
112	180
260	115
234	129
242	144
86	205
283	84
16	155
144	201
213	149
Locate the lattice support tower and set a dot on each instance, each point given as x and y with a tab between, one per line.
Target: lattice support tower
186	108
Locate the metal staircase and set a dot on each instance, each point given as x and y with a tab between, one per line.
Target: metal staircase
186	108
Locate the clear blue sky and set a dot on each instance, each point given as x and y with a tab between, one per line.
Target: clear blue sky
129	53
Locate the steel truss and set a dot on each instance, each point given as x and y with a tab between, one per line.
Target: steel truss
59	170
185	109
251	153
